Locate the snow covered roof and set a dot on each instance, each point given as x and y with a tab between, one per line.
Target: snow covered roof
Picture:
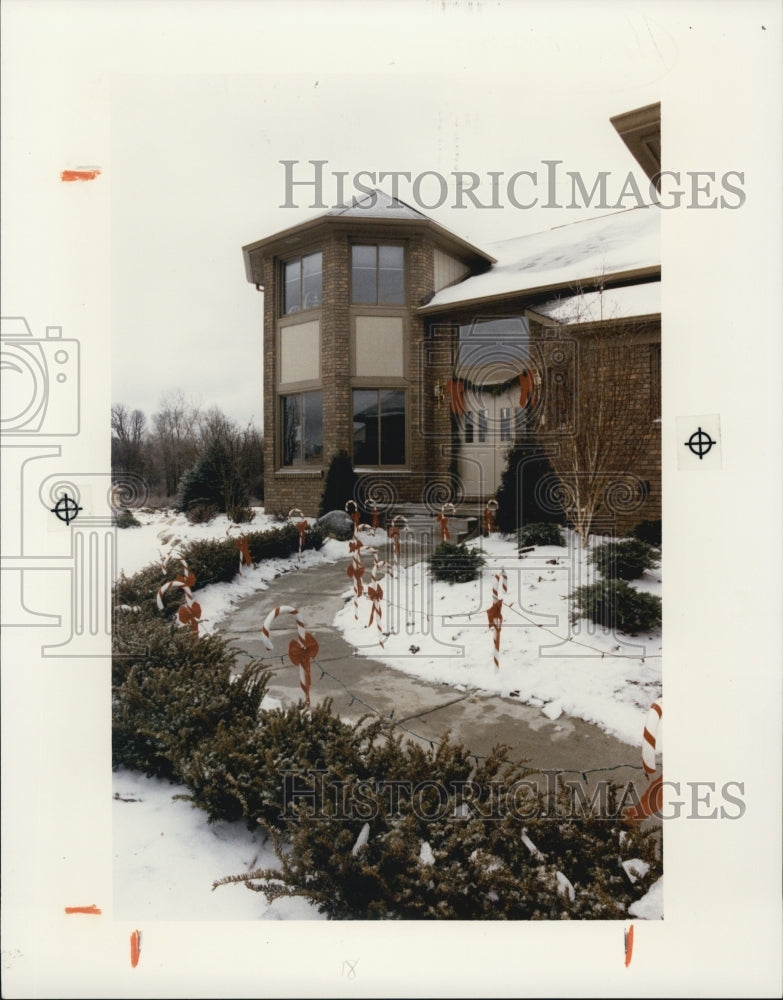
620	243
377	205
614	303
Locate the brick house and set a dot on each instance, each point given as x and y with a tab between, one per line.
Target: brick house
424	357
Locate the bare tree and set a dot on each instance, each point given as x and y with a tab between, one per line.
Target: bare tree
607	414
176	438
129	440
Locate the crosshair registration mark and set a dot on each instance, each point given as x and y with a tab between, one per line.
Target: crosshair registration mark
66	509
700	443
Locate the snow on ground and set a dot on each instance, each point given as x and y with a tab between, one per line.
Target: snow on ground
166	857
440	633
163	533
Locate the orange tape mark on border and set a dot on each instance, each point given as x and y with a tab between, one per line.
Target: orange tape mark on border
628	946
79	175
93	909
135	947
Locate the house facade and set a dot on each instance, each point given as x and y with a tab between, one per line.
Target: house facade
425	358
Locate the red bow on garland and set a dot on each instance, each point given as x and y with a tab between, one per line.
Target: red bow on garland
456	390
526	389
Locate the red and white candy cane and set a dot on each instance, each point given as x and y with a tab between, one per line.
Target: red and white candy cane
650	735
375	514
242	547
375	593
188	613
356	571
301	526
354	514
301	650
185	580
446	511
489	516
398	525
495	613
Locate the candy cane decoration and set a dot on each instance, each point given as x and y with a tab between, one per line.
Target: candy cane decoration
375	514
355	571
399	524
243	548
354	515
495	613
301	526
489	516
188	613
301	650
446	511
649	737
375	593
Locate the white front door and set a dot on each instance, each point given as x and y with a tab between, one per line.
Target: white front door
486	433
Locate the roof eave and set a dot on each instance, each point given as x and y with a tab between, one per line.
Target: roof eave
588	284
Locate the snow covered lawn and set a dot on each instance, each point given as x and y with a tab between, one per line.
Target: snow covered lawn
166	857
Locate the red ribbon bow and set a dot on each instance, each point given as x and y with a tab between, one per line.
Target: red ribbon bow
187	580
376	596
244	550
456	389
443	520
301	527
190	614
651	803
376	516
526	389
300	655
355	572
489	524
495	614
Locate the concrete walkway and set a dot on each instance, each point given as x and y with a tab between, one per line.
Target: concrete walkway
358	685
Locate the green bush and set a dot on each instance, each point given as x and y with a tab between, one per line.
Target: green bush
171	691
202	512
615	604
124	519
455	563
622	560
339	484
210	561
477	865
540	533
518	503
650	532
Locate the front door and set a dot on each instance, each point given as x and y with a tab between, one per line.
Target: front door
486	433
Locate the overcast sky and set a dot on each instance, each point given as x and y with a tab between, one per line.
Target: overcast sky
196	172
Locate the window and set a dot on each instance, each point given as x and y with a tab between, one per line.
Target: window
302	424
483	425
378	427
378	275
302	283
468	428
505	423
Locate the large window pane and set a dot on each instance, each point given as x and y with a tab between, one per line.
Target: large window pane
292	430
292	291
392	406
302	428
366	427
378	427
364	274
483	425
391	281
313	422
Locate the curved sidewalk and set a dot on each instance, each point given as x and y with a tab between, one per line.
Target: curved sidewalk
358	685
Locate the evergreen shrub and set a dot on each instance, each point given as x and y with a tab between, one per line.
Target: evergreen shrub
540	533
650	532
615	604
339	484
625	560
455	563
